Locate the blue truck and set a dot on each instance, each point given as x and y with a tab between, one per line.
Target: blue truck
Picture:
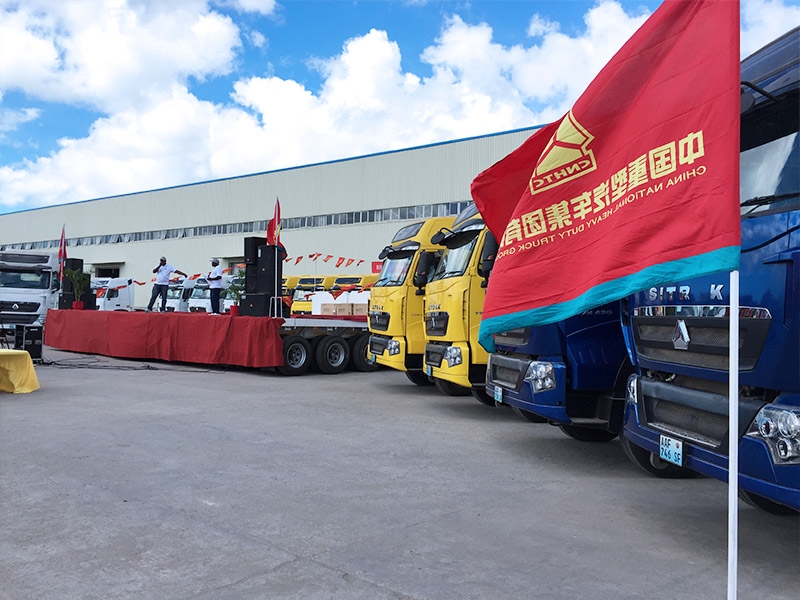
676	417
571	373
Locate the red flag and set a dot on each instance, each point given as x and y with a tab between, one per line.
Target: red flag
62	253
274	226
327	258
297	260
349	262
315	256
339	261
636	186
359	262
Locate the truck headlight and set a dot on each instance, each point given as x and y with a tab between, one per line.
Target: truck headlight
393	347
452	355
541	376
779	428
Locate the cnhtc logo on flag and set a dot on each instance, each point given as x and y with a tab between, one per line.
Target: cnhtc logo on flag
566	157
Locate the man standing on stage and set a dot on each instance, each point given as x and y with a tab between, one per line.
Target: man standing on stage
162	271
215	285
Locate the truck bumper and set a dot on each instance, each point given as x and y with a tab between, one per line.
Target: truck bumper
449	361
506	383
388	351
757	472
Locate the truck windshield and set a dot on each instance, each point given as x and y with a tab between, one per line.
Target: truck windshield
200	293
769	173
174	293
394	271
30	280
454	261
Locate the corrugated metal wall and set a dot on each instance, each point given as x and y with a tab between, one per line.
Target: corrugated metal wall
432	174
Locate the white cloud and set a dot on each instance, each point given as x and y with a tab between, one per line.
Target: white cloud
132	59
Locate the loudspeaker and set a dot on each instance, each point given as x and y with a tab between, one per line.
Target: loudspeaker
254	305
89	299
65	300
75	264
251	279
251	245
29	338
270	270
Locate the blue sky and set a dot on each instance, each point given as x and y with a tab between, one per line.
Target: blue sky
105	97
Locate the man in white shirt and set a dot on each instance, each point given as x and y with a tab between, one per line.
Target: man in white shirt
163	272
215	285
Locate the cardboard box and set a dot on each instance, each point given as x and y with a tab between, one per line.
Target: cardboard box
360	309
328	309
344	310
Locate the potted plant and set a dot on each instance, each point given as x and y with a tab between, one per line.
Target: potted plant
79	281
235	291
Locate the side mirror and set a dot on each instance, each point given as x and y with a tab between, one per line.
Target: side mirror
488	255
423	269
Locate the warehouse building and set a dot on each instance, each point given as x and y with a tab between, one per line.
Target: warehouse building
335	216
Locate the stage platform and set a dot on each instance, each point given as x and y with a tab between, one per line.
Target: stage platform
176	337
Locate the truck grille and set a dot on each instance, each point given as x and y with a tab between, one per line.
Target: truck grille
664	338
506	371
436	323
699	415
377	344
18	307
379	321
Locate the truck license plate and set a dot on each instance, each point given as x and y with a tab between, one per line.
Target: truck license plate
498	393
671	450
429	370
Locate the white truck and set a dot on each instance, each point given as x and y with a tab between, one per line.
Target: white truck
113	293
180	293
28	287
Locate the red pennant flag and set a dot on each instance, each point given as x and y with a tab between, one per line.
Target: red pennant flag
636	186
359	262
274	226
139	282
191	278
297	260
349	262
228	270
339	261
327	258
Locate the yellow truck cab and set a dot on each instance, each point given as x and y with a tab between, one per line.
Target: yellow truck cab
396	305
454	307
306	286
355	282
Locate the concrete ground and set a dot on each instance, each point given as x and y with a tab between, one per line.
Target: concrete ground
123	479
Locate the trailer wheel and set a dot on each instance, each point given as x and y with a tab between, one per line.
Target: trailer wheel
528	415
449	388
767	505
652	464
332	355
479	393
588	434
418	378
296	355
358	354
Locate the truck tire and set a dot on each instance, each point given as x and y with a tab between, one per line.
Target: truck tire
296	355
652	464
767	505
588	434
449	388
358	354
418	378
332	355
479	393
528	415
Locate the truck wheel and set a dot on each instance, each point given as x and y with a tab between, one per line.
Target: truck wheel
418	378
767	505
296	355
449	388
332	355
358	355
479	393
650	463
588	434
528	415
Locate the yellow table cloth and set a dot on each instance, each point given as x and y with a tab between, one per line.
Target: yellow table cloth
16	372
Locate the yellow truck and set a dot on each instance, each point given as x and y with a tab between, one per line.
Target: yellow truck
301	298
396	306
454	307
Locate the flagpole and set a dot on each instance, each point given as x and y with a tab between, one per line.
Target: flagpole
733	437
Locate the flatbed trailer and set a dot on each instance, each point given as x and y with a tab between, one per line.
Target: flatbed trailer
325	343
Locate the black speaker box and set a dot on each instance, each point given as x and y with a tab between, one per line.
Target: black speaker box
251	245
251	279
74	264
254	305
29	338
270	270
65	300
